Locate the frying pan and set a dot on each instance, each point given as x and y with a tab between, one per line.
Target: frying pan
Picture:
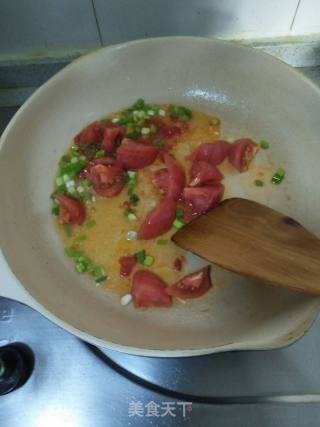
254	95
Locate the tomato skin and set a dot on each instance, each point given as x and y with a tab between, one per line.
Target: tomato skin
201	199
203	172
212	152
109	138
242	153
127	263
159	220
92	134
177	264
106	176
149	290
176	177
193	285
160	180
136	155
71	211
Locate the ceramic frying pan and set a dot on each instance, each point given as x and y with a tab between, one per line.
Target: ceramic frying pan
254	95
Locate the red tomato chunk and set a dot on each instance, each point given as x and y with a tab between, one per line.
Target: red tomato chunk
127	264
136	155
242	153
203	172
212	152
201	199
106	176
193	285
71	211
149	290
159	220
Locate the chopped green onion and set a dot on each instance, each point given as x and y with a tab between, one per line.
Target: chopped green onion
74	160
59	181
178	223
91	223
55	210
162	242
71	190
70	251
140	256
158	143
151	113
131	235
81	267
66	178
132	217
81	238
180	111
214	121
85	183
98	271
139	104
153	128
264	145
278	176
99	153
134	199
148	261
101	278
131	174
67	229
258	183
74	148
179	213
145	131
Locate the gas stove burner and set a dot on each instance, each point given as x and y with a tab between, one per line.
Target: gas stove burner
16	366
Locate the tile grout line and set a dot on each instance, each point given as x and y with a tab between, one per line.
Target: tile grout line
97	22
294	15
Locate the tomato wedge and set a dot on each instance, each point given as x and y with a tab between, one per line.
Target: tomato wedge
203	172
148	290
71	211
201	199
109	138
212	152
159	220
136	155
92	134
242	153
193	285
161	180
127	264
106	176
176	177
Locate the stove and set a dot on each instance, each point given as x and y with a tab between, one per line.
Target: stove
66	382
50	378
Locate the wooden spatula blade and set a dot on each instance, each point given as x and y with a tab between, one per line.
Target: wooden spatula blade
251	239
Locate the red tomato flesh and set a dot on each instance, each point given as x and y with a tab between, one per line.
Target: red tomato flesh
159	220
136	155
71	211
242	153
201	199
109	138
212	152
193	285
176	177
161	180
92	134
203	172
127	264
149	290
106	176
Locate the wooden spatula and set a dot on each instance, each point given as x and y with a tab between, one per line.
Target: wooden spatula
251	239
